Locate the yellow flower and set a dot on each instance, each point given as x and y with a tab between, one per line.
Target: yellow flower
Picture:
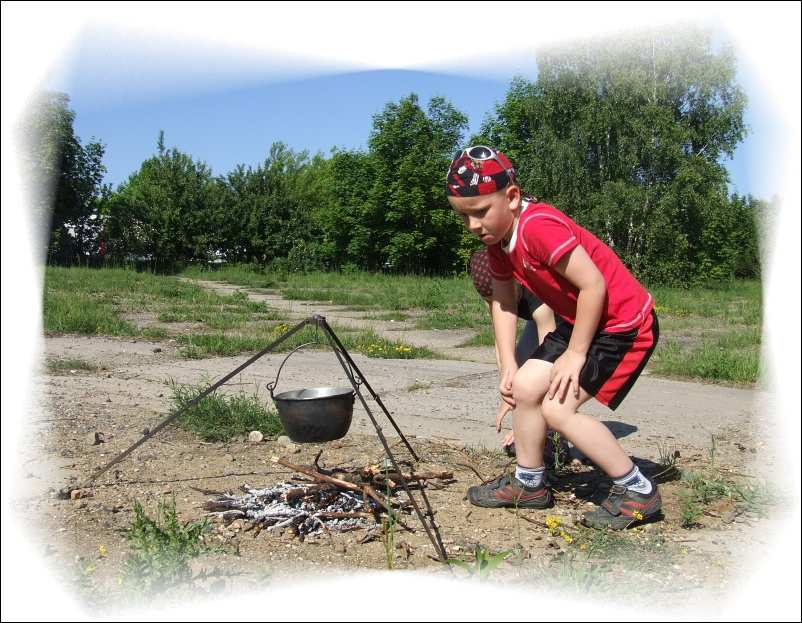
102	551
566	537
584	546
552	522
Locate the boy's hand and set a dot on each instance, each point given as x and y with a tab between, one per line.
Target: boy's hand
565	373
503	410
505	385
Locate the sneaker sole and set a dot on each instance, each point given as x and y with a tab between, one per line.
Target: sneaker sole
547	503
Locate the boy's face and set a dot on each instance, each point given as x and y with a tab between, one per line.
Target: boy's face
489	217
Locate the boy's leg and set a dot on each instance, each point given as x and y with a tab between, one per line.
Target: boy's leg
529	386
592	437
633	496
527	488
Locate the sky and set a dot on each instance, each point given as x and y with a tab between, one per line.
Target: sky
39	41
125	88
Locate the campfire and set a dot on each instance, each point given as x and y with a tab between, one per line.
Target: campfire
324	501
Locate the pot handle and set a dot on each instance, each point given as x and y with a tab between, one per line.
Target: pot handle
272	386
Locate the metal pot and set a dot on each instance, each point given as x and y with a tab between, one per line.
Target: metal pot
316	414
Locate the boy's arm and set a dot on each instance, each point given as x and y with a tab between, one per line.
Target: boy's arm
577	267
505	320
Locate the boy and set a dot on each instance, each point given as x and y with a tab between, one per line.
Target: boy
610	333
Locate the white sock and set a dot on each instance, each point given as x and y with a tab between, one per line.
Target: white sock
530	476
635	481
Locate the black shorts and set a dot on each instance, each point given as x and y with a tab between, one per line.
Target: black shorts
614	360
527	304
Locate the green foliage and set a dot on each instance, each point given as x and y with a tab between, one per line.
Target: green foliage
221	417
67	364
66	178
92	301
627	135
164	212
710	484
484	563
161	549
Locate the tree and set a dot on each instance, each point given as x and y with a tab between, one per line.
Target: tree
162	211
627	136
66	178
412	227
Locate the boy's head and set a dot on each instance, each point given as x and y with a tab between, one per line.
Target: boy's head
482	189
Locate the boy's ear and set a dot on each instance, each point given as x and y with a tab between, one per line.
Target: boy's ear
513	196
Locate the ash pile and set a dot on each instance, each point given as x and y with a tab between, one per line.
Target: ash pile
326	501
308	510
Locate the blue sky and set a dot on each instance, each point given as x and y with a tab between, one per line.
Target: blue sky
226	122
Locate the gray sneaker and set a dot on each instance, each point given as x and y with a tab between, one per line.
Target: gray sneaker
508	492
624	508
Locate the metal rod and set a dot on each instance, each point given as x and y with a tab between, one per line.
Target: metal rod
340	352
196	400
322	322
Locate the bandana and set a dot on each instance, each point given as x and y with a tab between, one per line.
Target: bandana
470	178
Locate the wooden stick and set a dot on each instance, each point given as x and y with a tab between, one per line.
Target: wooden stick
317	476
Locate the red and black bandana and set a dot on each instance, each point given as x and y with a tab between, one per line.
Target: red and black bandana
470	178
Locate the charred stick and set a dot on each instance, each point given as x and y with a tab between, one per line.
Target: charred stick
317	476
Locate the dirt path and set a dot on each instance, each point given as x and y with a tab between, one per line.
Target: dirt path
445	407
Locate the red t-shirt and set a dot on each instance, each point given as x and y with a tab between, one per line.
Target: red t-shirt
543	236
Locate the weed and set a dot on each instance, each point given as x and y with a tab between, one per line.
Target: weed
690	509
667	464
69	364
558	451
161	549
389	523
484	563
706	486
219	417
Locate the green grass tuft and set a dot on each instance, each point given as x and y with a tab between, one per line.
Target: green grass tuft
221	417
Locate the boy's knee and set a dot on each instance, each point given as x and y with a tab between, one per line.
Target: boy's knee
555	414
528	388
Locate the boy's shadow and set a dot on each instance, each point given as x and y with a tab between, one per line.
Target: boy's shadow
594	485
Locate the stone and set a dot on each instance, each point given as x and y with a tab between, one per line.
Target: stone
340	548
77	494
255	436
157	350
283	440
95	438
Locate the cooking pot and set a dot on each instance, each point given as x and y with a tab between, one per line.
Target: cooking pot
315	414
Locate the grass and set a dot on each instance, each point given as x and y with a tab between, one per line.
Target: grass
90	301
68	364
589	556
484	562
710	334
161	549
366	342
220	417
702	487
452	302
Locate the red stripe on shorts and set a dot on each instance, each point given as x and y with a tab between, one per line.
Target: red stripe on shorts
629	364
